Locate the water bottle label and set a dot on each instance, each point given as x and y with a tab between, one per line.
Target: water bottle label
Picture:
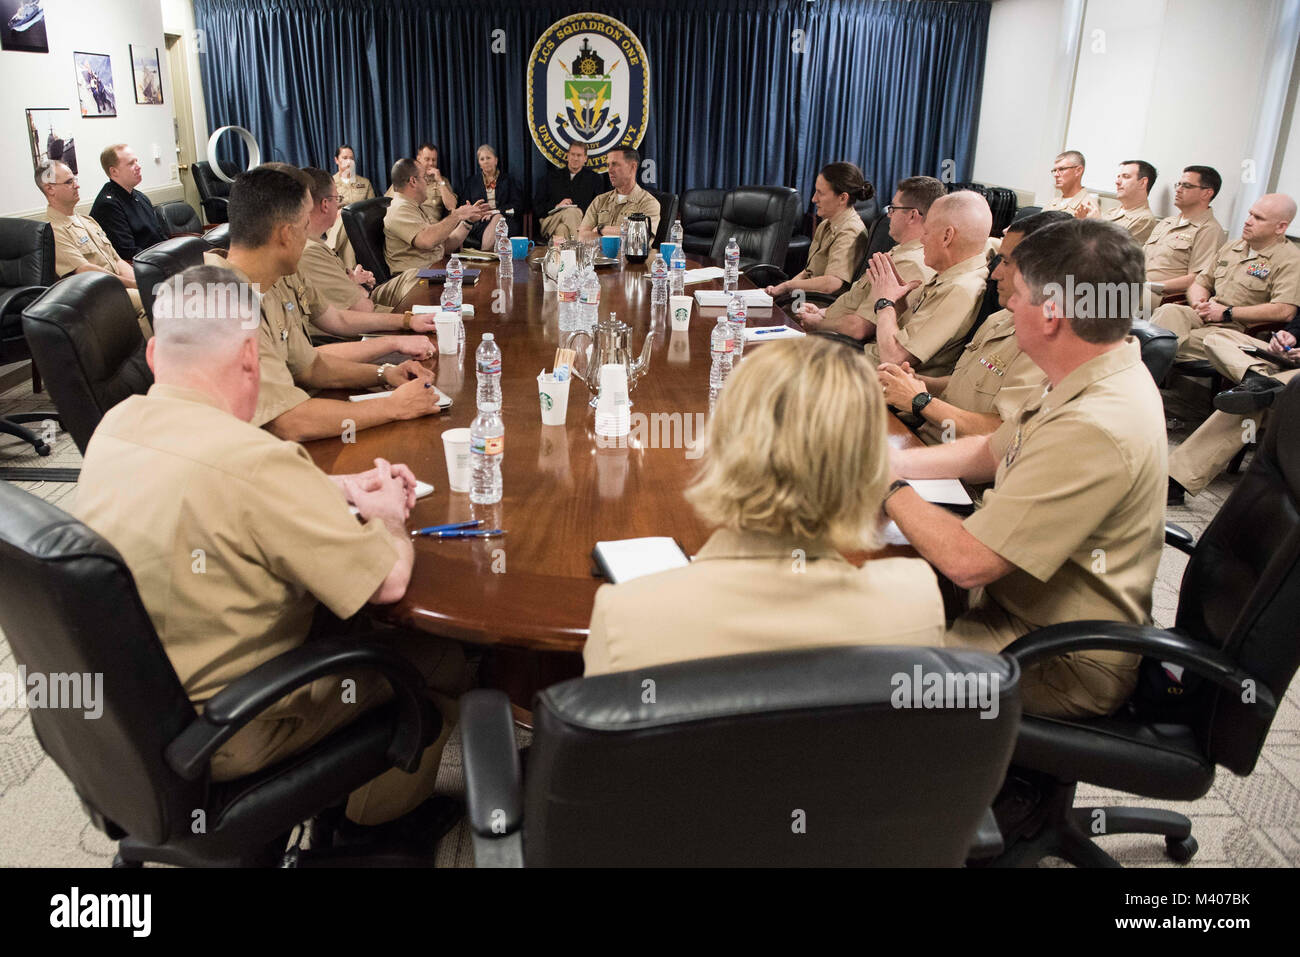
494	445
728	345
489	366
591	299
569	295
659	270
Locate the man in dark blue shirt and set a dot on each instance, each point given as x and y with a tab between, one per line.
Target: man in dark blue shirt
123	211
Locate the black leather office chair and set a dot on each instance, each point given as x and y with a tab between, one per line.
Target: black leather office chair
178	218
701	211
364	224
68	605
1235	634
163	260
26	271
762	219
732	754
214	193
85	331
878	241
667	213
1159	346
1024	212
218	237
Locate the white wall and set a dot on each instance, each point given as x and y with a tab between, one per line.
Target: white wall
178	18
1174	83
47	80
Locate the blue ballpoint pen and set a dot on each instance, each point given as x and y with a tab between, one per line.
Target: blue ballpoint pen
454	526
470	533
763	332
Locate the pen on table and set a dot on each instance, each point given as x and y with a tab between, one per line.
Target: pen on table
469	533
454	526
769	329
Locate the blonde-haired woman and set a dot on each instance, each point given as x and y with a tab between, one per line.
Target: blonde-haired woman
795	471
503	196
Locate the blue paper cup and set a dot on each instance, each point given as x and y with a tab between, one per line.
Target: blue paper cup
666	250
609	246
520	246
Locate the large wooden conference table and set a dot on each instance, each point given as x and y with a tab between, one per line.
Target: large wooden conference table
528	595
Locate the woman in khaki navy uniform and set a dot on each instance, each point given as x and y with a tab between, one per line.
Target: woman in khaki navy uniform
840	238
352	189
790	491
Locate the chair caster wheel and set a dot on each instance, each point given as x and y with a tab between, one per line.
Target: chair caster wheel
121	862
1181	850
42	449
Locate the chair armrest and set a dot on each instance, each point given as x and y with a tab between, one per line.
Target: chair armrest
1180	538
822	299
987	842
494	801
840	337
764	274
1199	658
17	298
249	695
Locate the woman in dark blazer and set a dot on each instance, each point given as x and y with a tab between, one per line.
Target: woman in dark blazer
501	193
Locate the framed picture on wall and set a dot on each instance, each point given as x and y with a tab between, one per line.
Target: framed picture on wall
22	26
147	76
95	84
49	134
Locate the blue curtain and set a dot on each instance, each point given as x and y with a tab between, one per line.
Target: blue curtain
742	91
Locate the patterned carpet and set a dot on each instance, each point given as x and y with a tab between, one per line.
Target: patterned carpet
1241	822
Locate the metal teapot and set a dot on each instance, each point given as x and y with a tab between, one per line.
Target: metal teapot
638	238
610	344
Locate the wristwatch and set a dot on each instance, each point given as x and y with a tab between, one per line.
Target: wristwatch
894	486
381	375
881	303
1227	314
920	401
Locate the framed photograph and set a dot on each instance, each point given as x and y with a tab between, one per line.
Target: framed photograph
147	75
95	84
49	135
22	26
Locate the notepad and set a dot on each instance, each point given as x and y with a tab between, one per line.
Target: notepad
754	298
893	535
444	400
421	490
766	333
941	491
704	274
629	558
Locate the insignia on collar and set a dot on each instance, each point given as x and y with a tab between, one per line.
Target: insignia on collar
288	307
284	335
1014	449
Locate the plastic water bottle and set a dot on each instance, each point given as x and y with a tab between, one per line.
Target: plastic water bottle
453	295
487	443
567	292
488	362
503	228
721	345
677	274
731	281
622	241
658	281
588	300
738	316
504	253
675	233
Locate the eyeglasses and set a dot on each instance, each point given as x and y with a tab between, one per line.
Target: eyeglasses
334	199
72	181
891	208
1189	186
1062	169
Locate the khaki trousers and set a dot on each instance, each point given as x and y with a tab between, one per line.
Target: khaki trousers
395	293
334	701
563	223
1191	330
1208	450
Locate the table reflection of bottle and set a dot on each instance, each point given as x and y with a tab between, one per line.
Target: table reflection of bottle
679	348
503	298
553	453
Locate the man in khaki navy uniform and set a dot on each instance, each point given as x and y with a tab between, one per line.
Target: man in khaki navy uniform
180	470
928	334
608	210
1067	174
1133	185
851	314
413	236
993	377
323	269
80	245
1073	526
269	215
1182	246
351	189
1254	280
1208	450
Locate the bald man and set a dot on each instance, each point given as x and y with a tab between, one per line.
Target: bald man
927	329
182	469
1253	280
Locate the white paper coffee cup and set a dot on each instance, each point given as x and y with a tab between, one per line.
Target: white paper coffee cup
455	444
446	326
554	398
680	311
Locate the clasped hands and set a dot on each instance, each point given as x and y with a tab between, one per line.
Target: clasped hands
385	491
900	384
1209	310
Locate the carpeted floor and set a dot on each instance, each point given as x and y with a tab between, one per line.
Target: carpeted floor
1241	822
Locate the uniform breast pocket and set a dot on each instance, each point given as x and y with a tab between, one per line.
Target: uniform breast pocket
1180	242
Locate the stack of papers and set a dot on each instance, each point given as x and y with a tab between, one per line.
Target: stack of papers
444	400
766	333
630	558
941	491
754	298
